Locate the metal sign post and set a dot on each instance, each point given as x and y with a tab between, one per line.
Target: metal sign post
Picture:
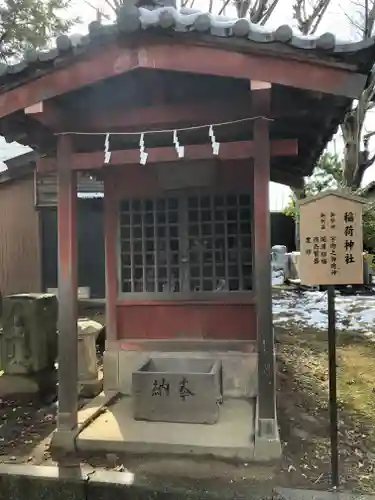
332	386
331	254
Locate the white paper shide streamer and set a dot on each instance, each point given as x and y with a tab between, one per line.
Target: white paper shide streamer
107	153
215	144
142	152
180	149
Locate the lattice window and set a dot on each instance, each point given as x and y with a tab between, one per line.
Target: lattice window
186	244
150	245
219	231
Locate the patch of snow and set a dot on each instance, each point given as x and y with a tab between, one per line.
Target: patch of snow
283	319
370	336
355	313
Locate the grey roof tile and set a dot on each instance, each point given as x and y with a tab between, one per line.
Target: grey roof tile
131	19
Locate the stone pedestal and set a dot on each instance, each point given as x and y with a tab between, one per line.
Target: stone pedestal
28	345
28	387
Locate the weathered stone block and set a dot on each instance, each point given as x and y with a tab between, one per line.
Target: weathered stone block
178	390
28	341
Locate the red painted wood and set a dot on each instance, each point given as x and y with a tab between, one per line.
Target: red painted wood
262	267
135	181
48	114
114	60
228	151
168	115
247	346
96	66
196	321
217	299
263	67
149	117
67	285
110	238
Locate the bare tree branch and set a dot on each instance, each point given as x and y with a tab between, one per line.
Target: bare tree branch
319	17
223	7
259	11
370	161
370	21
269	12
242	7
362	17
308	20
114	5
358	26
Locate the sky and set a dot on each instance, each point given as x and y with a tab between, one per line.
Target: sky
335	21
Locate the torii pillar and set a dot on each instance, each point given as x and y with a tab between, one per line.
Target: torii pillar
266	431
67	288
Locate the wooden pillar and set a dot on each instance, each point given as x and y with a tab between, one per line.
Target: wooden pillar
261	98
67	282
110	242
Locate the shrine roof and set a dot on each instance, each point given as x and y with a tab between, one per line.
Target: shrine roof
84	75
187	23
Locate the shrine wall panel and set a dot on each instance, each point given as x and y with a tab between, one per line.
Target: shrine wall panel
146	180
20	268
187	320
223	318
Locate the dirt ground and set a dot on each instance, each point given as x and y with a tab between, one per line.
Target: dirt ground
303	409
25	429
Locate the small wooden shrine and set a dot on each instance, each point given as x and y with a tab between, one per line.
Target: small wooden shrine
186	117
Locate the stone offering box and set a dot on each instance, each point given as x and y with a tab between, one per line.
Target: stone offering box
178	390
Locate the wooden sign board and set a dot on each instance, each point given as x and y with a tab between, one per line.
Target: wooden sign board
331	240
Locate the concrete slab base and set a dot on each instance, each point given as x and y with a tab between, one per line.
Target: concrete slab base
267	445
115	431
266	449
64	440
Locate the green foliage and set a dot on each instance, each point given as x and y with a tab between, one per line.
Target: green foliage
29	24
291	209
328	174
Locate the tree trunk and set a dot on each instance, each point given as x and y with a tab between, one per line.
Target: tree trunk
298	195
